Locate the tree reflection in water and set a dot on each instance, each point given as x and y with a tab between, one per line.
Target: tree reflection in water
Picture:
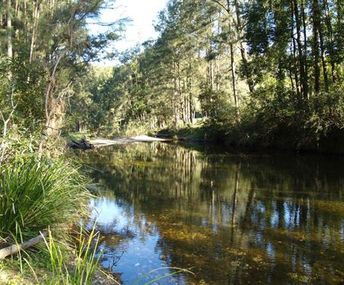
232	219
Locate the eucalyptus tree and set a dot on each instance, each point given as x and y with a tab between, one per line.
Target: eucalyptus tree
47	47
301	32
186	70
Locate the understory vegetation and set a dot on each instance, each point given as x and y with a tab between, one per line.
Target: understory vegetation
36	193
44	198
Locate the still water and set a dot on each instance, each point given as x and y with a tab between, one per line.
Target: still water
228	218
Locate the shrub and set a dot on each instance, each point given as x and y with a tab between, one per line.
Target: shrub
36	193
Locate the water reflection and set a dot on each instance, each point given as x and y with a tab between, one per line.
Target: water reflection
231	219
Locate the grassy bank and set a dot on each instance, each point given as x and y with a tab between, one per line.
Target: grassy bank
44	197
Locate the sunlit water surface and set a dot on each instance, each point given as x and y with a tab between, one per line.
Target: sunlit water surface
230	219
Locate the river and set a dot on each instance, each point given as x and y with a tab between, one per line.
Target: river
227	218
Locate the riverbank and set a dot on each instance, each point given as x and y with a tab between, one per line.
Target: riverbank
43	198
252	140
243	137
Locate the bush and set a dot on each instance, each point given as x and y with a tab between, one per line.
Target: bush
36	193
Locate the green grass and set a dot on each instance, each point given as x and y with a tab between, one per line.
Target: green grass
38	193
72	265
56	261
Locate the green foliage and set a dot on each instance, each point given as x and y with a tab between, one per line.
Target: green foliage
220	112
43	61
36	193
59	259
282	122
253	71
161	86
78	268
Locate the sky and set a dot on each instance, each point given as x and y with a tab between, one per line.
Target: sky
142	13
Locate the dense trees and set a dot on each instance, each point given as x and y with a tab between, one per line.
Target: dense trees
253	69
255	66
295	50
186	68
44	51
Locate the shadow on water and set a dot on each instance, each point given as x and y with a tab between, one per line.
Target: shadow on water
231	219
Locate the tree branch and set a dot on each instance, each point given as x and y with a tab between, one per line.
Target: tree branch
14	249
221	5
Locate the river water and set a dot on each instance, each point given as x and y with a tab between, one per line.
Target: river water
227	218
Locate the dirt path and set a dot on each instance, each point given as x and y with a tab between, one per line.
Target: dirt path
100	142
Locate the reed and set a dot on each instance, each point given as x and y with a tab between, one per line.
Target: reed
73	265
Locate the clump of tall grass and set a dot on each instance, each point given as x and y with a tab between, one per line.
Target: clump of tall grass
67	260
36	193
74	265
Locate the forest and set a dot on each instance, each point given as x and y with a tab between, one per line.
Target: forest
246	72
243	74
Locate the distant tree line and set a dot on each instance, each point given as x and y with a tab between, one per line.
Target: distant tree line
253	70
258	67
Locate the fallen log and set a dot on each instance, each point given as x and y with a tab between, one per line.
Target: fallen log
82	144
16	248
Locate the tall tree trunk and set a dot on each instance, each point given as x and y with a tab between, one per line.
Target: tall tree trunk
175	97
180	95
294	50
50	102
9	30
211	75
323	60
239	32
331	39
305	45
303	79
316	28
234	85
189	89
233	68
34	30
